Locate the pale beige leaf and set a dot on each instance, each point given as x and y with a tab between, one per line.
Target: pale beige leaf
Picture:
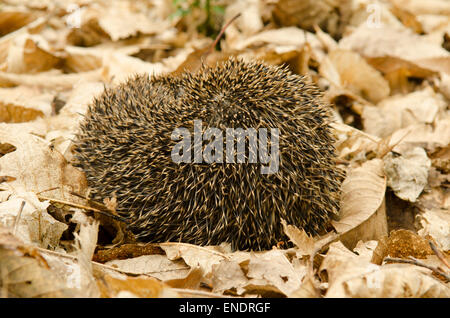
304	243
33	225
194	256
227	275
85	244
352	275
157	266
29	54
288	38
362	214
353	143
428	7
408	174
436	223
51	79
27	98
120	20
250	20
119	67
358	76
25	273
272	268
379	42
38	168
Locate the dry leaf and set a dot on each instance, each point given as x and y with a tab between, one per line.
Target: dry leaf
194	256
401	111
157	266
31	223
356	75
144	287
330	15
404	45
28	54
362	214
21	104
24	273
436	223
228	275
351	275
305	244
39	168
51	79
12	19
85	244
408	174
272	268
286	38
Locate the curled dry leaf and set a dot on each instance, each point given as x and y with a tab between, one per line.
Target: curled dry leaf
229	275
408	174
401	111
352	275
273	269
115	285
25	273
363	214
306	245
157	266
365	81
120	20
353	143
119	67
250	21
31	223
194	256
51	79
81	59
387	42
287	38
39	168
436	223
21	104
85	244
28	54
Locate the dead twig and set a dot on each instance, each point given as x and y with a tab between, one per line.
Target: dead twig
438	254
416	262
211	49
16	221
80	206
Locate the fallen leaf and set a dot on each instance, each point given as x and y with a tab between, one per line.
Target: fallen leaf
363	214
25	274
407	175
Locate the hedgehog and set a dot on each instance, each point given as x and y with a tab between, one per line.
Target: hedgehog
125	147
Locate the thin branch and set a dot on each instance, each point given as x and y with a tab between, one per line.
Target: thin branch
80	206
16	221
211	49
416	262
438	253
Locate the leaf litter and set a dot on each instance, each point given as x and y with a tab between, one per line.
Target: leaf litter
387	83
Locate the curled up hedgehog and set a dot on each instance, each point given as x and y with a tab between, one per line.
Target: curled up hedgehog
160	146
